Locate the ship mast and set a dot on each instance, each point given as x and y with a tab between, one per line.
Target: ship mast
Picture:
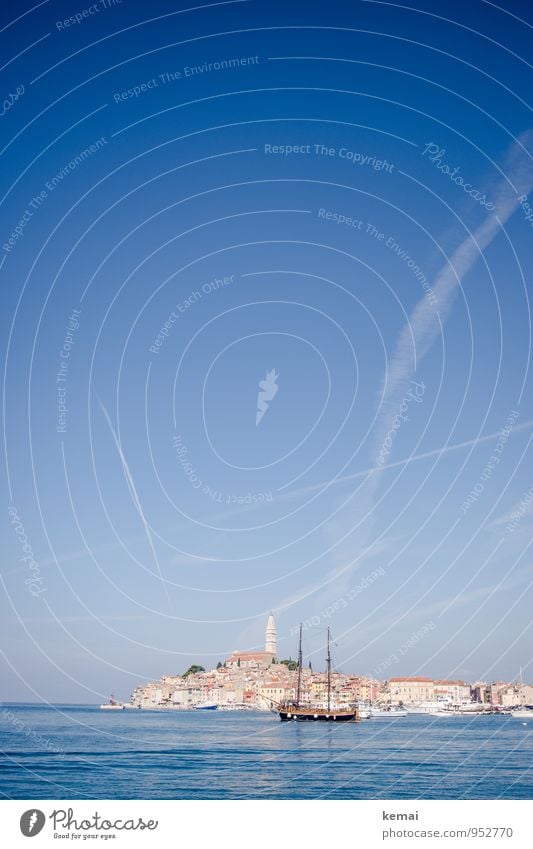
328	662
299	685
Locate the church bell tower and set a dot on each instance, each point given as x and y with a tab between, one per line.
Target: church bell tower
270	639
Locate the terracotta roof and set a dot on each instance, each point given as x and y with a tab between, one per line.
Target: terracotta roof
417	678
249	655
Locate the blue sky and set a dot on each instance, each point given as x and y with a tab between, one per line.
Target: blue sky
296	209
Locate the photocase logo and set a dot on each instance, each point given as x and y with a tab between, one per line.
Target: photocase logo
32	822
268	388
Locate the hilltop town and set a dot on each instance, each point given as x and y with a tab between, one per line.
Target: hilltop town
258	680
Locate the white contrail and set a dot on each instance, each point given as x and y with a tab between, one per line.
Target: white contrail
307	490
135	498
372	470
424	325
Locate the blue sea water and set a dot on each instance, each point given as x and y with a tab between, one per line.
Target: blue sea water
81	752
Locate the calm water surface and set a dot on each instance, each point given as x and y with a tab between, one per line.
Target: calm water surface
81	752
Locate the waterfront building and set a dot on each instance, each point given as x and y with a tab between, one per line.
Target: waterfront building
411	690
479	692
456	692
368	690
526	694
514	695
493	693
273	692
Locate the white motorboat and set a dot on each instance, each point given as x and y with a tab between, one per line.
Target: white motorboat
386	713
424	708
112	704
469	711
522	713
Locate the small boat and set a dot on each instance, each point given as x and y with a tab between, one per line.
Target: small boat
207	706
295	711
369	711
386	713
424	708
447	713
112	704
469	712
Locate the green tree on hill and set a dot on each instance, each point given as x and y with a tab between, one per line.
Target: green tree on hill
192	670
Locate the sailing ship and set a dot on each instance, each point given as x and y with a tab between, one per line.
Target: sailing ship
295	711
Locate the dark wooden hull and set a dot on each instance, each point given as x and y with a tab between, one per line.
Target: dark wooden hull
318	715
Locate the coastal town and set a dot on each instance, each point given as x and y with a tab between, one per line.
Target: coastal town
258	680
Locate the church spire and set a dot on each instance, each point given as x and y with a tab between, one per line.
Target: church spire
270	641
